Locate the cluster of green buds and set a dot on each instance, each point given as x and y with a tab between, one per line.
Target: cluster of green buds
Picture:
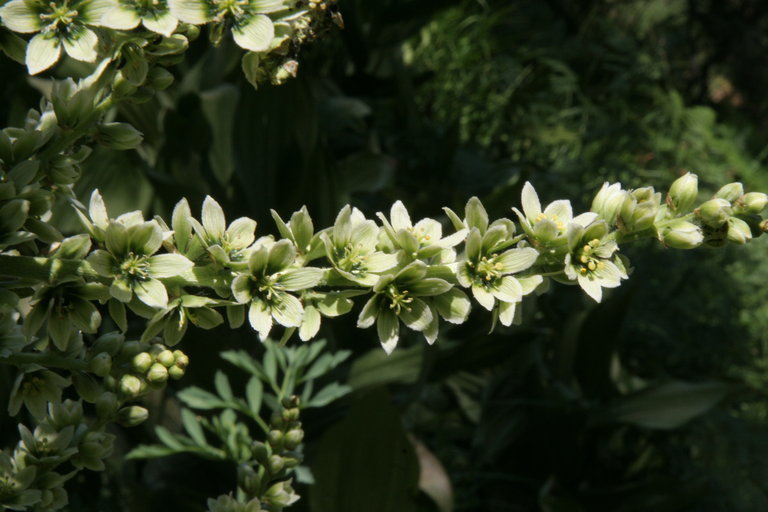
263	484
141	367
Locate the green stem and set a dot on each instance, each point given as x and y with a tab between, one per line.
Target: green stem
45	360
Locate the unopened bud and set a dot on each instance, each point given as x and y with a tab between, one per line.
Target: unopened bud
275	464
681	234
157	374
751	203
176	372
118	136
739	231
130	349
106	405
100	364
291	414
109	343
608	201
260	452
160	78
715	212
683	192
132	416
141	362
182	361
293	438
275	438
281	495
130	386
730	192
248	479
166	358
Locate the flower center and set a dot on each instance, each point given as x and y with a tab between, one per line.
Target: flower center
399	300
554	218
351	258
589	262
135	267
59	15
230	7
486	271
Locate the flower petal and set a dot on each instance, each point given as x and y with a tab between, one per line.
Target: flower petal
121	290
241	232
81	45
18	17
301	278
102	262
560	209
530	202
213	220
453	306
287	310
417	315
43	51
517	260
255	34
369	312
281	255
195	12
388	328
310	324
399	216
507	289
120	17
161	23
152	293
591	286
507	312
260	318
483	297
168	265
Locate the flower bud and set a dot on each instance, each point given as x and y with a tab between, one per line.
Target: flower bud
277	421
132	416
714	212
141	362
739	231
292	462
160	78
248	479
608	201
751	203
182	361
130	386
275	464
681	234
157	374
118	136
730	192
166	358
130	349
293	438
275	438
683	192
106	405
281	494
260	452
176	372
100	364
291	414
109	343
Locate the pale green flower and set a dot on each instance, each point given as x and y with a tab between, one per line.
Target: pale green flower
593	261
424	240
153	14
35	389
271	276
129	258
15	481
400	297
226	245
59	25
252	28
301	231
351	247
47	446
608	202
547	228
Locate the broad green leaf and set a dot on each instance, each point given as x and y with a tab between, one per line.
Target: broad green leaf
669	405
219	107
370	436
254	391
198	398
223	388
192	426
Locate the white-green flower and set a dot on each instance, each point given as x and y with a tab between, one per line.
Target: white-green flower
271	276
593	261
546	229
129	258
227	245
15	482
487	270
252	28
400	297
424	240
351	247
153	14
59	25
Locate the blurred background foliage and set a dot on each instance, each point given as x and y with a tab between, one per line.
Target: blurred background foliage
654	399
